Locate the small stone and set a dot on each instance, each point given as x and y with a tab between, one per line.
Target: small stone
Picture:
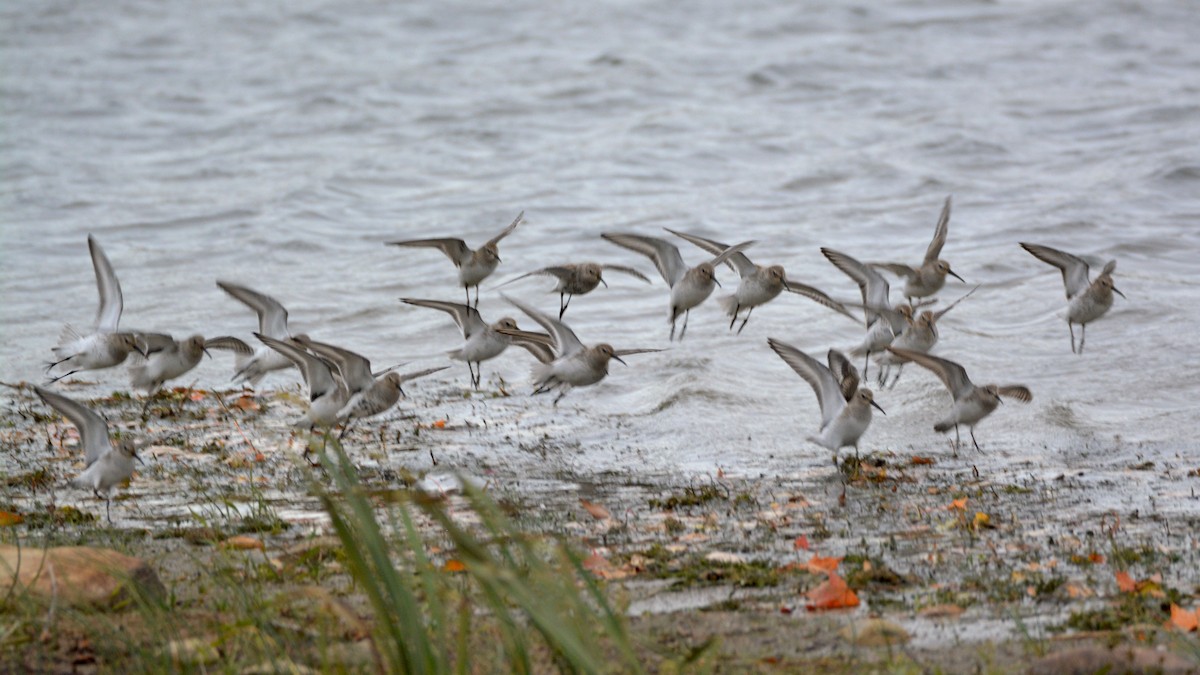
875	633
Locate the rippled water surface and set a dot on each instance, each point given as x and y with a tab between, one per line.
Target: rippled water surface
280	144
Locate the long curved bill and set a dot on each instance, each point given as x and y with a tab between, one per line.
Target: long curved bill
617	358
1119	292
955	275
878	408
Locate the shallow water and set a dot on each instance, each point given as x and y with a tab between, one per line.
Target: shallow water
281	145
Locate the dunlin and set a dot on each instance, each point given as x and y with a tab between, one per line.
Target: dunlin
326	393
107	465
368	393
843	419
689	287
272	322
1086	300
759	285
166	362
928	279
972	403
921	335
483	342
473	265
884	322
104	347
578	279
575	365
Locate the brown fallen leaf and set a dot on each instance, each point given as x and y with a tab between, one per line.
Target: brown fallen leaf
8	519
597	511
832	594
922	461
801	543
941	612
454	565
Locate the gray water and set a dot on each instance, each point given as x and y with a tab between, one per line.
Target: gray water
280	144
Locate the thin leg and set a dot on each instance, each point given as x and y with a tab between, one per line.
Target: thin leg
108	510
1072	329
1082	336
477	296
56	379
975	442
346	427
562	305
866	366
467	290
899	369
751	311
733	319
673	317
957	438
683	332
559	397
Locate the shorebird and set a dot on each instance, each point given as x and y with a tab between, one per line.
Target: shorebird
483	342
972	403
368	393
251	364
845	409
106	465
104	347
884	322
473	265
1086	300
921	335
578	279
928	279
165	360
574	365
327	393
759	285
689	286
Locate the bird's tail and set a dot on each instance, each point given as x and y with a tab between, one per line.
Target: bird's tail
728	304
943	427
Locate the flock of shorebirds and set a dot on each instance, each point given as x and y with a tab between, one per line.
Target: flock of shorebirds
343	388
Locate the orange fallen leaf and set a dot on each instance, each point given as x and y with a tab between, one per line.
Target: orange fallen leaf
917	460
246	402
801	543
1125	583
1185	620
198	395
960	504
817	564
832	594
440	424
8	519
1096	558
454	565
598	512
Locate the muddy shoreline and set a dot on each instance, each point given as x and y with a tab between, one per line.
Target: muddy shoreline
987	562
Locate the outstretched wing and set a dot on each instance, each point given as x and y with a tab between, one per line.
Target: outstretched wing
565	341
844	372
938	314
316	371
93	430
1016	391
626	270
354	367
737	262
819	297
111	301
950	373
1074	269
875	289
455	249
507	231
468	318
939	234
827	388
661	252
272	317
